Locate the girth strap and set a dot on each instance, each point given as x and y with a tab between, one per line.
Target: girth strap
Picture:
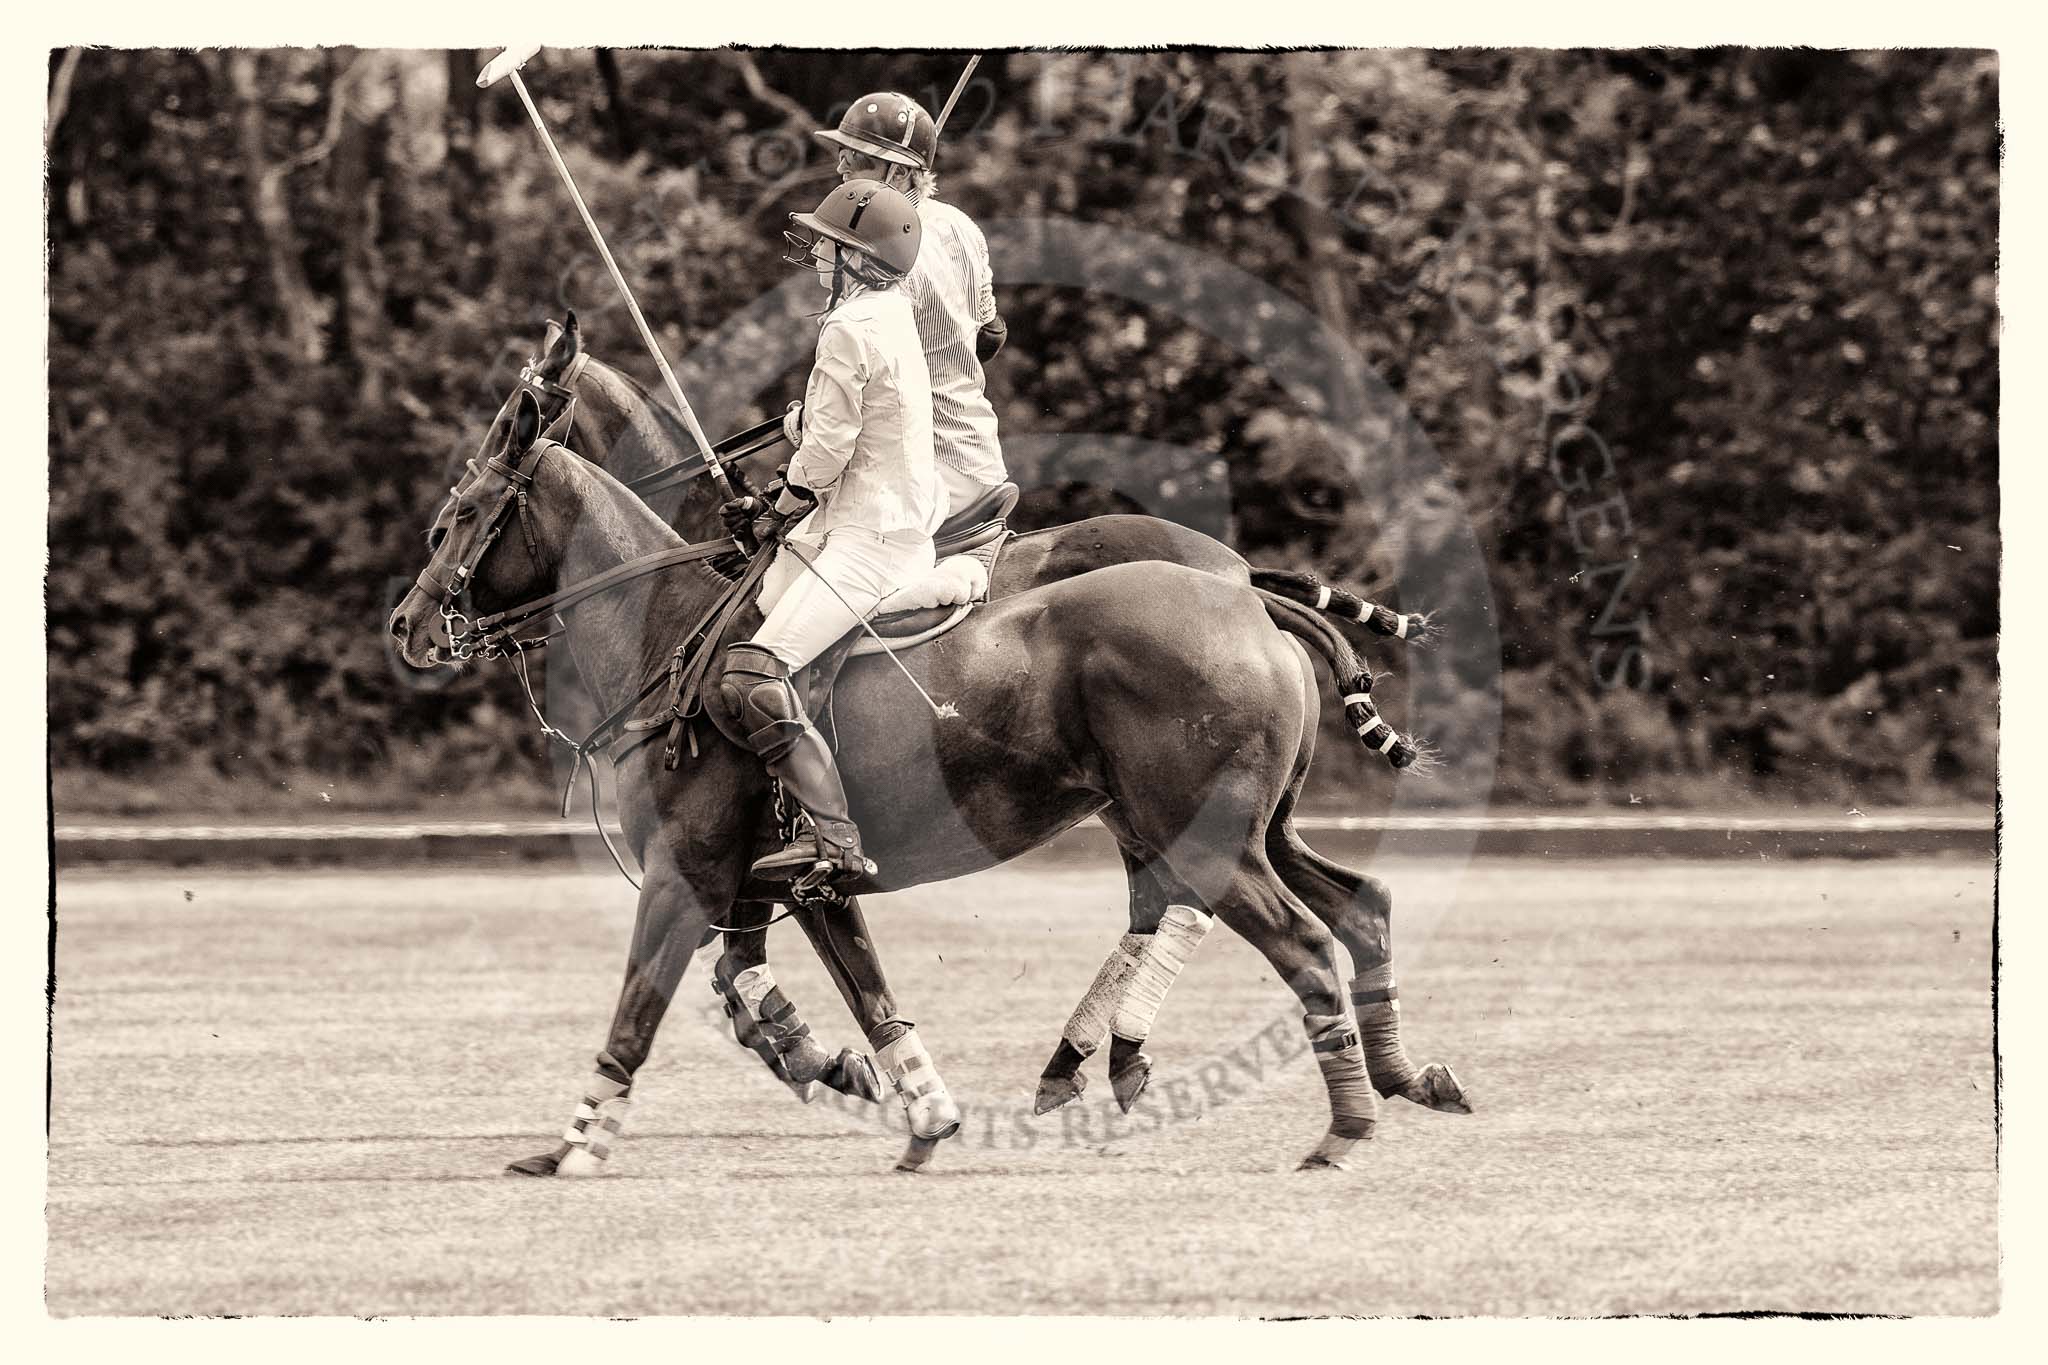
687	667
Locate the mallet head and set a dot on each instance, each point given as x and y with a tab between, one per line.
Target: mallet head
504	64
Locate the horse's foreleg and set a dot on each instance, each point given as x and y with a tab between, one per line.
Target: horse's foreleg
766	1021
669	925
840	935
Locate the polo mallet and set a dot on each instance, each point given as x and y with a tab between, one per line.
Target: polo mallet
507	63
959	88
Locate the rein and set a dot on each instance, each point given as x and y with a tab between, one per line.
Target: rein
496	636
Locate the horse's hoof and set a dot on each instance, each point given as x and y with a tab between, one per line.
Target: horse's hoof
1316	1161
854	1074
1130	1082
1437	1088
578	1162
547	1163
1054	1091
920	1151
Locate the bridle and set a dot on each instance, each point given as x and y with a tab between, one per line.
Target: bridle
469	639
497	635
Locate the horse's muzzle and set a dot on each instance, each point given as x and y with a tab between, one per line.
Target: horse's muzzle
412	620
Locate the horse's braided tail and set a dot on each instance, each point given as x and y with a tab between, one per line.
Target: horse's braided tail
1301	586
1354	679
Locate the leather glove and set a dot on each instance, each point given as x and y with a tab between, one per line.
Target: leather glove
990	339
738	515
764	518
786	504
793	423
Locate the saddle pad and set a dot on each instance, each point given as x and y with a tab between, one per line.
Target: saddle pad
951	582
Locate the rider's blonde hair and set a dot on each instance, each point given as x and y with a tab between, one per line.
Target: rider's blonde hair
923	184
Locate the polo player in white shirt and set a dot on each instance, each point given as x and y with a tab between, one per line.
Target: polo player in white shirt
862	490
890	138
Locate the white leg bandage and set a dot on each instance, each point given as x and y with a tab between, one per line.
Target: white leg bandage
751	986
1378	1007
926	1101
595	1127
1354	1108
1097	1008
1181	931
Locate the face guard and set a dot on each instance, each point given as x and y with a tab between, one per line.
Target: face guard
862	216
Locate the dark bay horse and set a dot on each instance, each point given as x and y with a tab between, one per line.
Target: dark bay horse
1153	694
619	425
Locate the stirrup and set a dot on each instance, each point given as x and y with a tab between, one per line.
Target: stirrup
803	863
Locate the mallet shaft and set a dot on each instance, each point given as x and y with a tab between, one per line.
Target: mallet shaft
959	88
668	377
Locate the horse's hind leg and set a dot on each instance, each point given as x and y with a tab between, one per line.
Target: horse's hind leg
1251	899
1358	909
840	934
1166	928
766	1022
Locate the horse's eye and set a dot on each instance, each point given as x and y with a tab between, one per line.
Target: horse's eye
435	535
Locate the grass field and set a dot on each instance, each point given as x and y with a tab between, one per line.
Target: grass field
1701	1087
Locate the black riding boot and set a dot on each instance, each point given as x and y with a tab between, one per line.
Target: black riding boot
811	777
757	685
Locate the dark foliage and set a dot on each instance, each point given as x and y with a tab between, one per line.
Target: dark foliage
1702	344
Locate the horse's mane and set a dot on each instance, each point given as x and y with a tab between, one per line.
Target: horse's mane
630	513
665	417
682	445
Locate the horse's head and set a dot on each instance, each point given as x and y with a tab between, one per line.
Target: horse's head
463	576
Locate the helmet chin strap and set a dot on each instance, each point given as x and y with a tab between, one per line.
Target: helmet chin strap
840	276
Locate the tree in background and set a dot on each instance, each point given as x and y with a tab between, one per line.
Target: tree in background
1703	344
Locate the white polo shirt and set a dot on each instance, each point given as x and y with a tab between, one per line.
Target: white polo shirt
952	295
867	432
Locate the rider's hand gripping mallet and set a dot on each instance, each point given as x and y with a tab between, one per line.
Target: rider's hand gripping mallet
507	63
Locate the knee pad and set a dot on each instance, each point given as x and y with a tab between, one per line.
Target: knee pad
757	687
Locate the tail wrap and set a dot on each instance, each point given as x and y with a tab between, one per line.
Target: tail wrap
1350	671
1299	585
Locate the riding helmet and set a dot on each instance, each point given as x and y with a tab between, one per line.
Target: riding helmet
868	216
890	126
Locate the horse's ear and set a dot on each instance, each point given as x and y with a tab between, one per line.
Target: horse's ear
564	344
525	423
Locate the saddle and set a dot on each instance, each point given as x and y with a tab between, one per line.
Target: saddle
917	613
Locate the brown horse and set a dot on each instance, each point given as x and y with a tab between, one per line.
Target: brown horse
1150	693
618	424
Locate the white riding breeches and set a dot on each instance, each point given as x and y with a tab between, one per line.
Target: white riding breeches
804	617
